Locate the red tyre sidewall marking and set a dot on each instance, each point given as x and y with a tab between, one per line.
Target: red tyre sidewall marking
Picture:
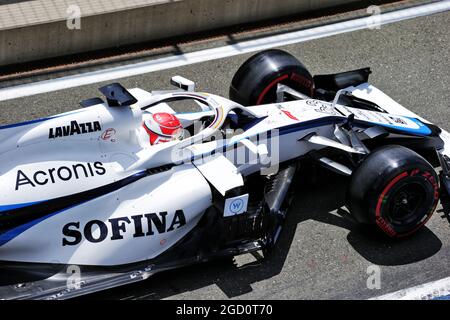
378	218
303	81
274	82
432	180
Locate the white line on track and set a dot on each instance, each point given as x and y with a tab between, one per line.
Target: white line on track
427	291
220	52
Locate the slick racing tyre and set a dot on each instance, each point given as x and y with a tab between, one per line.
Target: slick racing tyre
394	189
256	80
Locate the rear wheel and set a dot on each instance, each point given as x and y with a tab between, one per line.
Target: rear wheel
394	189
256	80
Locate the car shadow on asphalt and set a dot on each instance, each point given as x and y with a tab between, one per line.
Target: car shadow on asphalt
314	200
372	245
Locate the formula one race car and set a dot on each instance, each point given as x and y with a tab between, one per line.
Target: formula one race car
121	189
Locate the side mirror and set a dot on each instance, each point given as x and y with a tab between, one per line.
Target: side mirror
183	83
117	96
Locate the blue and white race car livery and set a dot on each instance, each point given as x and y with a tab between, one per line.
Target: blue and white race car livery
88	193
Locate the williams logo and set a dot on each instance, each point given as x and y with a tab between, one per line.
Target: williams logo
141	225
74	128
63	173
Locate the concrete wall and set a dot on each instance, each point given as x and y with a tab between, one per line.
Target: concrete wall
170	18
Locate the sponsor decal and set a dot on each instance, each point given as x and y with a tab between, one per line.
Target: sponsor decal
74	128
236	205
286	112
63	173
313	103
325	109
142	225
109	134
322	108
398	120
289	115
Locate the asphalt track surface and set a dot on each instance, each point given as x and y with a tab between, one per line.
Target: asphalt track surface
321	254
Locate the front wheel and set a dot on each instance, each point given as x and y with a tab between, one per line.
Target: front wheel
394	189
256	80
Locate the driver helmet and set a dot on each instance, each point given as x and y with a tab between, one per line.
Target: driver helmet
163	127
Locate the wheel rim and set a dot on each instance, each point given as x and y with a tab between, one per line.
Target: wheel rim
409	203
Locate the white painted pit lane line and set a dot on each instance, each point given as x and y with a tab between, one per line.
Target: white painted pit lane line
435	290
220	52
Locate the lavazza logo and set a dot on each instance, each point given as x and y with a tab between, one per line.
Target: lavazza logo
58	174
74	128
